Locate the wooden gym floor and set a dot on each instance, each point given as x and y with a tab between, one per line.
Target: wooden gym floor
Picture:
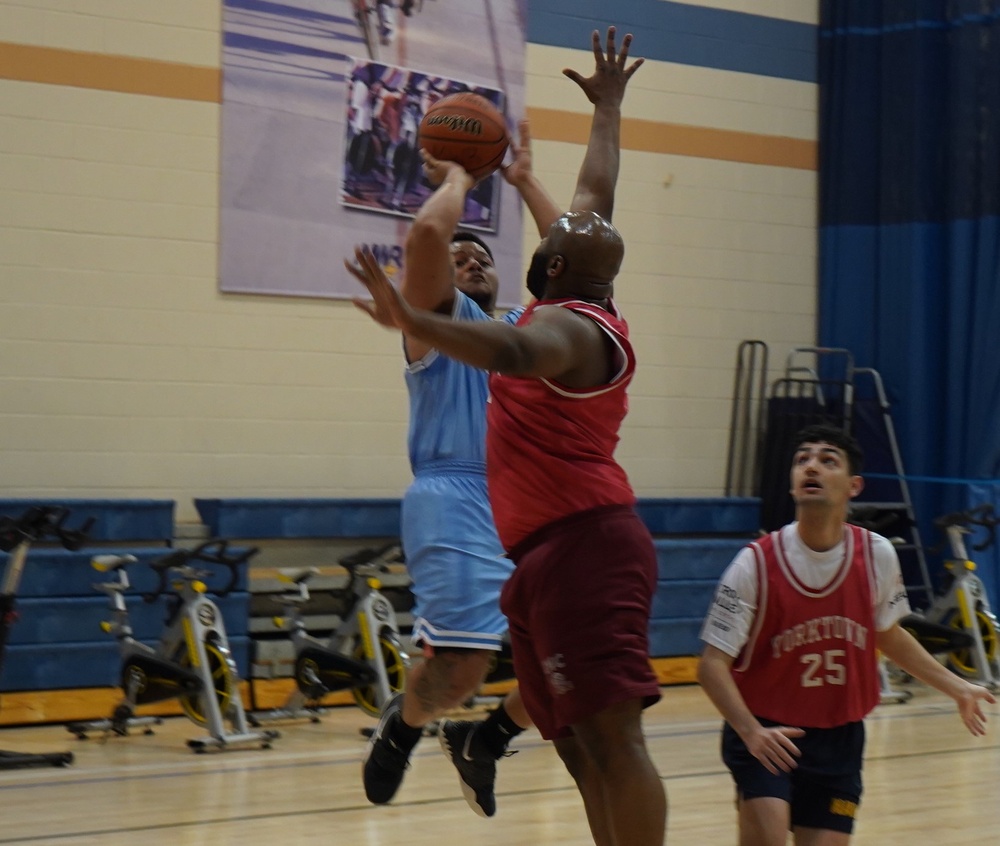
927	782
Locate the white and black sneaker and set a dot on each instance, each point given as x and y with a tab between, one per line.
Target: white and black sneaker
477	767
385	762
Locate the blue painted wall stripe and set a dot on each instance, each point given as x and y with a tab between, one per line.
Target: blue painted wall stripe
690	35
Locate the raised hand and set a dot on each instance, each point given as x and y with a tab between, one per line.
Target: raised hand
386	307
606	86
438	170
520	168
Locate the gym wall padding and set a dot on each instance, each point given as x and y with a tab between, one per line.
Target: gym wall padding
57	641
689	570
114	519
700	515
300	518
689	567
695	539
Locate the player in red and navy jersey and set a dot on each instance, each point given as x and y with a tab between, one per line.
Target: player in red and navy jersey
791	655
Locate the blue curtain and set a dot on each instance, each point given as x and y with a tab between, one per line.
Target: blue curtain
910	223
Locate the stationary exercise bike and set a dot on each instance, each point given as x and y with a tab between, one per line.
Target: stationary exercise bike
363	654
963	606
191	663
933	635
16	536
960	626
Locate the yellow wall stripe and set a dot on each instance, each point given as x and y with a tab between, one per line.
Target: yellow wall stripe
128	75
678	139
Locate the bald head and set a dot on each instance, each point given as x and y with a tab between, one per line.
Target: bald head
580	257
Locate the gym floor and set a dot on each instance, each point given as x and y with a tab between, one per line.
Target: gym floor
927	782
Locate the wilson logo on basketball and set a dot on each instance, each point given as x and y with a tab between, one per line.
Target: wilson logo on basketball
457	123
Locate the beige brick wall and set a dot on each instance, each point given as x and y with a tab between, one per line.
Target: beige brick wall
124	372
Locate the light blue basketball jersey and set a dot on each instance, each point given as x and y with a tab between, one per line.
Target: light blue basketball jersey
448	401
455	559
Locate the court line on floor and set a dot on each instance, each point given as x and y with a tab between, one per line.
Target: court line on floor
276	759
68	837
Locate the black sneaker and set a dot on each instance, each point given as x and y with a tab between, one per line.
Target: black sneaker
385	763
477	767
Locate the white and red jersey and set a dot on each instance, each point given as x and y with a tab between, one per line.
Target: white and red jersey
810	657
549	448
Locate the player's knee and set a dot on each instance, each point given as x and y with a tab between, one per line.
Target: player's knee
574	758
611	752
613	738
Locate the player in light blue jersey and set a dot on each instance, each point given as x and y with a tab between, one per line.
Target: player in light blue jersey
455	560
452	551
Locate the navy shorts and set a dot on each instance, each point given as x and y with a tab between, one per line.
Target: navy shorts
824	790
578	605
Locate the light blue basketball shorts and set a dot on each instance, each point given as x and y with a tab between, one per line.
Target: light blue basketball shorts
455	561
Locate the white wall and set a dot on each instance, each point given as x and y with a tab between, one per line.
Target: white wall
124	372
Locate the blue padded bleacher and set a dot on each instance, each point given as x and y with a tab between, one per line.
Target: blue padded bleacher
300	518
696	537
70	619
363	518
695	541
688	572
57	641
150	520
297	518
59	572
675	637
695	558
700	515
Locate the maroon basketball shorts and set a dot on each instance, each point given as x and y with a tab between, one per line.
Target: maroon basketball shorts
578	606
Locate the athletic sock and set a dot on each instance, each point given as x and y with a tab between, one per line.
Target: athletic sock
405	735
497	730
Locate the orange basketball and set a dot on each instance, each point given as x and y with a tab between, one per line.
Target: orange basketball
467	129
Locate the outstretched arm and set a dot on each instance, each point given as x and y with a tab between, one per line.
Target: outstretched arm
429	275
556	343
519	173
429	281
900	647
605	88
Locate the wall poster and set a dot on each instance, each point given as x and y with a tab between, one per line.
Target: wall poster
321	103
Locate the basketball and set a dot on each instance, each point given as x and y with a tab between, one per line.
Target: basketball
468	129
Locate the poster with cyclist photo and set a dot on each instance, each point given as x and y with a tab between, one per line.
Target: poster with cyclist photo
382	170
321	100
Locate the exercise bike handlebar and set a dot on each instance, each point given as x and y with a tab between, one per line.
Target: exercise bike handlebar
40	522
210	552
982	515
367	561
379	559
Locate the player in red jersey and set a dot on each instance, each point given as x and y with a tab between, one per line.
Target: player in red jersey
585	568
790	657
